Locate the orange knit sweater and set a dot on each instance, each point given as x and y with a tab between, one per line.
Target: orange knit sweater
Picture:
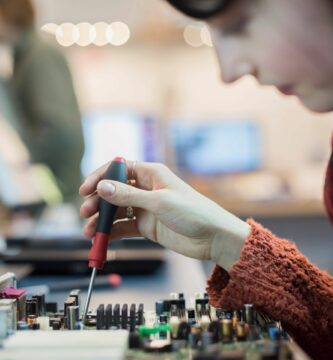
274	276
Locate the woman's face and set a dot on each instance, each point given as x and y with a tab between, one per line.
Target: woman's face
284	43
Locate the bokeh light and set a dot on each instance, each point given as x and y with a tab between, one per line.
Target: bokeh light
205	36
192	35
101	38
118	33
67	34
87	34
50	28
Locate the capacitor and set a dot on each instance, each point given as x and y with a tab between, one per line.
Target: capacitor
72	317
241	331
40	298
235	318
70	301
31	307
227	330
174	323
248	314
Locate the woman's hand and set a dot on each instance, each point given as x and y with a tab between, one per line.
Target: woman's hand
167	211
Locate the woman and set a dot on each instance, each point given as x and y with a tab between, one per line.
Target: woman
42	86
285	43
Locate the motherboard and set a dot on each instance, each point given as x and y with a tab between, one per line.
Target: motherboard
32	328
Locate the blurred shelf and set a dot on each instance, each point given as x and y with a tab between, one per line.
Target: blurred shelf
282	208
278	206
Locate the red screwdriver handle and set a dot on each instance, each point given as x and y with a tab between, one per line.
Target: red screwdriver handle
98	253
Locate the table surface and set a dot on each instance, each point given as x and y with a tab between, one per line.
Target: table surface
178	274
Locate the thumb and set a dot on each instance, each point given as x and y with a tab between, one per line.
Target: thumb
121	194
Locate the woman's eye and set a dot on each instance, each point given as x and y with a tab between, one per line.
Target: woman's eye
236	28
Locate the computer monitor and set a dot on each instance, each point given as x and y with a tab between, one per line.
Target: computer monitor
216	147
119	133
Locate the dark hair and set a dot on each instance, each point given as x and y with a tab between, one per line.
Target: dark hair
201	9
18	13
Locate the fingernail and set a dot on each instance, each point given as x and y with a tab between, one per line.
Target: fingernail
107	188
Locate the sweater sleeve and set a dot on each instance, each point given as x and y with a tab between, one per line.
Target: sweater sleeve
274	276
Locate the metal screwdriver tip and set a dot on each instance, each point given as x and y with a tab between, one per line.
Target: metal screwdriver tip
91	284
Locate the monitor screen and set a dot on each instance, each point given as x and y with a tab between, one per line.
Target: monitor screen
119	133
216	147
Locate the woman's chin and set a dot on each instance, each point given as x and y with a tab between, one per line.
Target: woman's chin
319	104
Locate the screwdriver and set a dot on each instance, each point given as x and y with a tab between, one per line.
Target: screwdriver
97	256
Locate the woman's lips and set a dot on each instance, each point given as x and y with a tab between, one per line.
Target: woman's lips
286	90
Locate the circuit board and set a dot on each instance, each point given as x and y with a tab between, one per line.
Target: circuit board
178	328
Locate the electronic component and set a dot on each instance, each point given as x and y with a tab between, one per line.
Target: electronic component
69	302
123	331
8	309
72	318
20	296
108	316
31	307
100	319
40	299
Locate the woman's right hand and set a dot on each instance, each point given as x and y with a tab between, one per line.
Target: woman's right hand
168	211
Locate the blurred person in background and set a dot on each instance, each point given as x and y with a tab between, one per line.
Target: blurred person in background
287	44
42	87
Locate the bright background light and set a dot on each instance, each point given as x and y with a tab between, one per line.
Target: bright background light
101	38
119	33
205	36
192	35
87	34
67	34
